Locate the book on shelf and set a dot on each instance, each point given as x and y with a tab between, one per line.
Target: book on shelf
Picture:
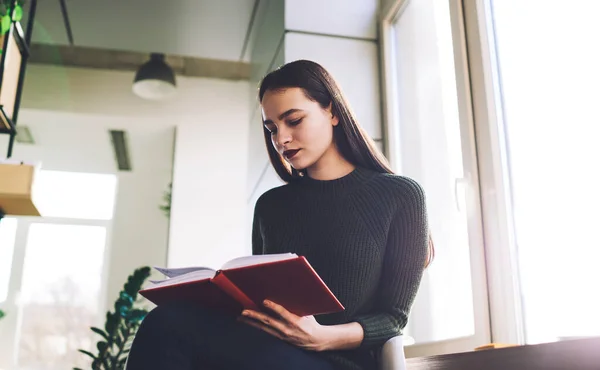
244	283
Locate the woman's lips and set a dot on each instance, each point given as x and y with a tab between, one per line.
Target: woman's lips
289	154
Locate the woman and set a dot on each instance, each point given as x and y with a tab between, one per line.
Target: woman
363	229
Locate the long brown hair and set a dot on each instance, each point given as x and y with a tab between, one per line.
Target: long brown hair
354	144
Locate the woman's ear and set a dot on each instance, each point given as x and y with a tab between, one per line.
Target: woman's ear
334	119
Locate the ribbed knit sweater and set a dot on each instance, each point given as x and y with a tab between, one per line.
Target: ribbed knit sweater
366	235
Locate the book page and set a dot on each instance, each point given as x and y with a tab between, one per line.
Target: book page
173	272
190	276
257	260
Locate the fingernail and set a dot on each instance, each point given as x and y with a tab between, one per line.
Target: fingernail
267	302
245	313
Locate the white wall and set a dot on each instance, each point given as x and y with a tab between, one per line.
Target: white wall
357	19
209	182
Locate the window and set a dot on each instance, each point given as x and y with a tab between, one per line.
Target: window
434	149
59	294
53	278
549	77
8	231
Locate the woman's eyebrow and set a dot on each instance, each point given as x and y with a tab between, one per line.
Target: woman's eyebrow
283	115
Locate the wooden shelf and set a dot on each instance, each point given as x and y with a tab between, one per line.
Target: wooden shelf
6	125
16	189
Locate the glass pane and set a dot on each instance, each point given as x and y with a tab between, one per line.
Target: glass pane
431	153
60	295
75	195
549	81
8	231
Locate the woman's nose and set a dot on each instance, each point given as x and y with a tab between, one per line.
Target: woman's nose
284	137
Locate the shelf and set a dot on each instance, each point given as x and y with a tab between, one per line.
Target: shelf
6	125
17	189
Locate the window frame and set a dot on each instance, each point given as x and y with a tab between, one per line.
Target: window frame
481	235
506	311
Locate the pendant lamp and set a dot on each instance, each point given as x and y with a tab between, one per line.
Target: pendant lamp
155	79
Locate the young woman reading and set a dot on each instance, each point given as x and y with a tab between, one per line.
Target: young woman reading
362	228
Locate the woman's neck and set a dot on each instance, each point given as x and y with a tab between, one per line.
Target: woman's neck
330	168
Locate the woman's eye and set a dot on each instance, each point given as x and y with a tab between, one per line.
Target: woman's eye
294	123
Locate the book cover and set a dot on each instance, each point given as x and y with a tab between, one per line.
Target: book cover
244	283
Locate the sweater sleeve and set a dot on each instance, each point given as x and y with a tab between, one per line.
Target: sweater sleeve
405	257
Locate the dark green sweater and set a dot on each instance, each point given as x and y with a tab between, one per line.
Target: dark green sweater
366	235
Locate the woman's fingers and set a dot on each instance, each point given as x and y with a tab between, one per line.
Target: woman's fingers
261	326
281	311
266	320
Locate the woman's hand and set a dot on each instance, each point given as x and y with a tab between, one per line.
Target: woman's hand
304	332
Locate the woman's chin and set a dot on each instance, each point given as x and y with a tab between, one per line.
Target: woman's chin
297	165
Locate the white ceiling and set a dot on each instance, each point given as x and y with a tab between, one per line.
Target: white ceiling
214	29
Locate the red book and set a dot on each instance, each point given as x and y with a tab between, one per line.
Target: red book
244	283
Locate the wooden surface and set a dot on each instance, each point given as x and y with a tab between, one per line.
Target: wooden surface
16	182
78	56
580	354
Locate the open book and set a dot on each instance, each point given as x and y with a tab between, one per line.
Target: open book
244	283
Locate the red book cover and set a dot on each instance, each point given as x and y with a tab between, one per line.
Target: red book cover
290	281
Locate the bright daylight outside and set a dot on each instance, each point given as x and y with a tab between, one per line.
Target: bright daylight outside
548	60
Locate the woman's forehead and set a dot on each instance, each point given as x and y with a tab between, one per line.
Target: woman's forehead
277	102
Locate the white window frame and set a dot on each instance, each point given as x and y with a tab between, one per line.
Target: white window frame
506	311
479	237
477	78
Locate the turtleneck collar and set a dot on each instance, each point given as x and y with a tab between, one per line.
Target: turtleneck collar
340	185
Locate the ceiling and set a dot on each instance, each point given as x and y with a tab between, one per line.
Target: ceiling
212	29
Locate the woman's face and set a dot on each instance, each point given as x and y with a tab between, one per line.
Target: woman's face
301	131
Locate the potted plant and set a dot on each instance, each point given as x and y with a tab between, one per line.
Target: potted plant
120	326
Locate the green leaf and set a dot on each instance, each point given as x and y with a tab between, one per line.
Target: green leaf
87	353
5	24
119	340
136	315
100	332
124	331
102	347
106	363
112	323
18	13
96	364
126	297
2	314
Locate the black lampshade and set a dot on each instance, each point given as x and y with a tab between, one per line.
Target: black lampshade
154	80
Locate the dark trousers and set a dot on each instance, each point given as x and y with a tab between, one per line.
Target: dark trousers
183	337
